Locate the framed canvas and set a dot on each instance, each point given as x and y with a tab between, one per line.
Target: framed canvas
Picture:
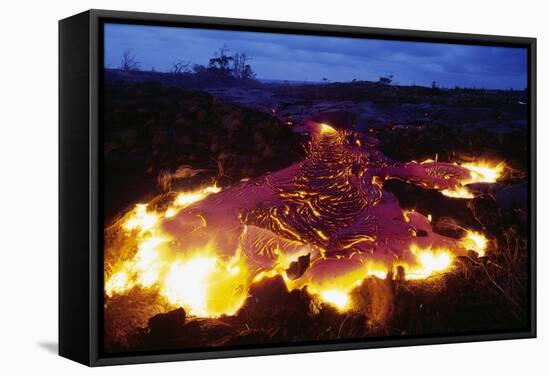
239	187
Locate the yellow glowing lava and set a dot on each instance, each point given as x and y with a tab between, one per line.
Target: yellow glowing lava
118	283
284	259
378	271
336	290
142	270
153	264
327	129
484	172
146	262
458	192
170	212
480	172
475	241
144	267
184	199
212	189
206	286
186	284
141	219
187	198
203	284
429	262
321	234
338	298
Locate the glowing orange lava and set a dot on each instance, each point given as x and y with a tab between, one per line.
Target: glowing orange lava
480	172
202	251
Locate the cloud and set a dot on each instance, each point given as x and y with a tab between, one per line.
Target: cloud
300	57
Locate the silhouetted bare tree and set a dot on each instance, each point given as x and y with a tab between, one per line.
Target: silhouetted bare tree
179	66
129	62
220	63
241	69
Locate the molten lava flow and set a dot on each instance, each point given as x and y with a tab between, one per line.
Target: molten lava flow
458	192
117	284
142	220
338	298
198	280
429	262
324	224
147	261
335	288
143	268
170	212
480	172
476	242
484	172
327	129
205	286
185	199
186	283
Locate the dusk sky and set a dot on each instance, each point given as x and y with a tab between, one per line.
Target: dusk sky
301	58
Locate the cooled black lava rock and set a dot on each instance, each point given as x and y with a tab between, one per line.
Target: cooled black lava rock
165	323
298	267
249	337
270	305
514	197
447	226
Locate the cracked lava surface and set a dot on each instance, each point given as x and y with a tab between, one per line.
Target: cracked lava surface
324	223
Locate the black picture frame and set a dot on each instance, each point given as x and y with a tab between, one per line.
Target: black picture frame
80	167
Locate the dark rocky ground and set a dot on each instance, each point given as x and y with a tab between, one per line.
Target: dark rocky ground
240	132
150	129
